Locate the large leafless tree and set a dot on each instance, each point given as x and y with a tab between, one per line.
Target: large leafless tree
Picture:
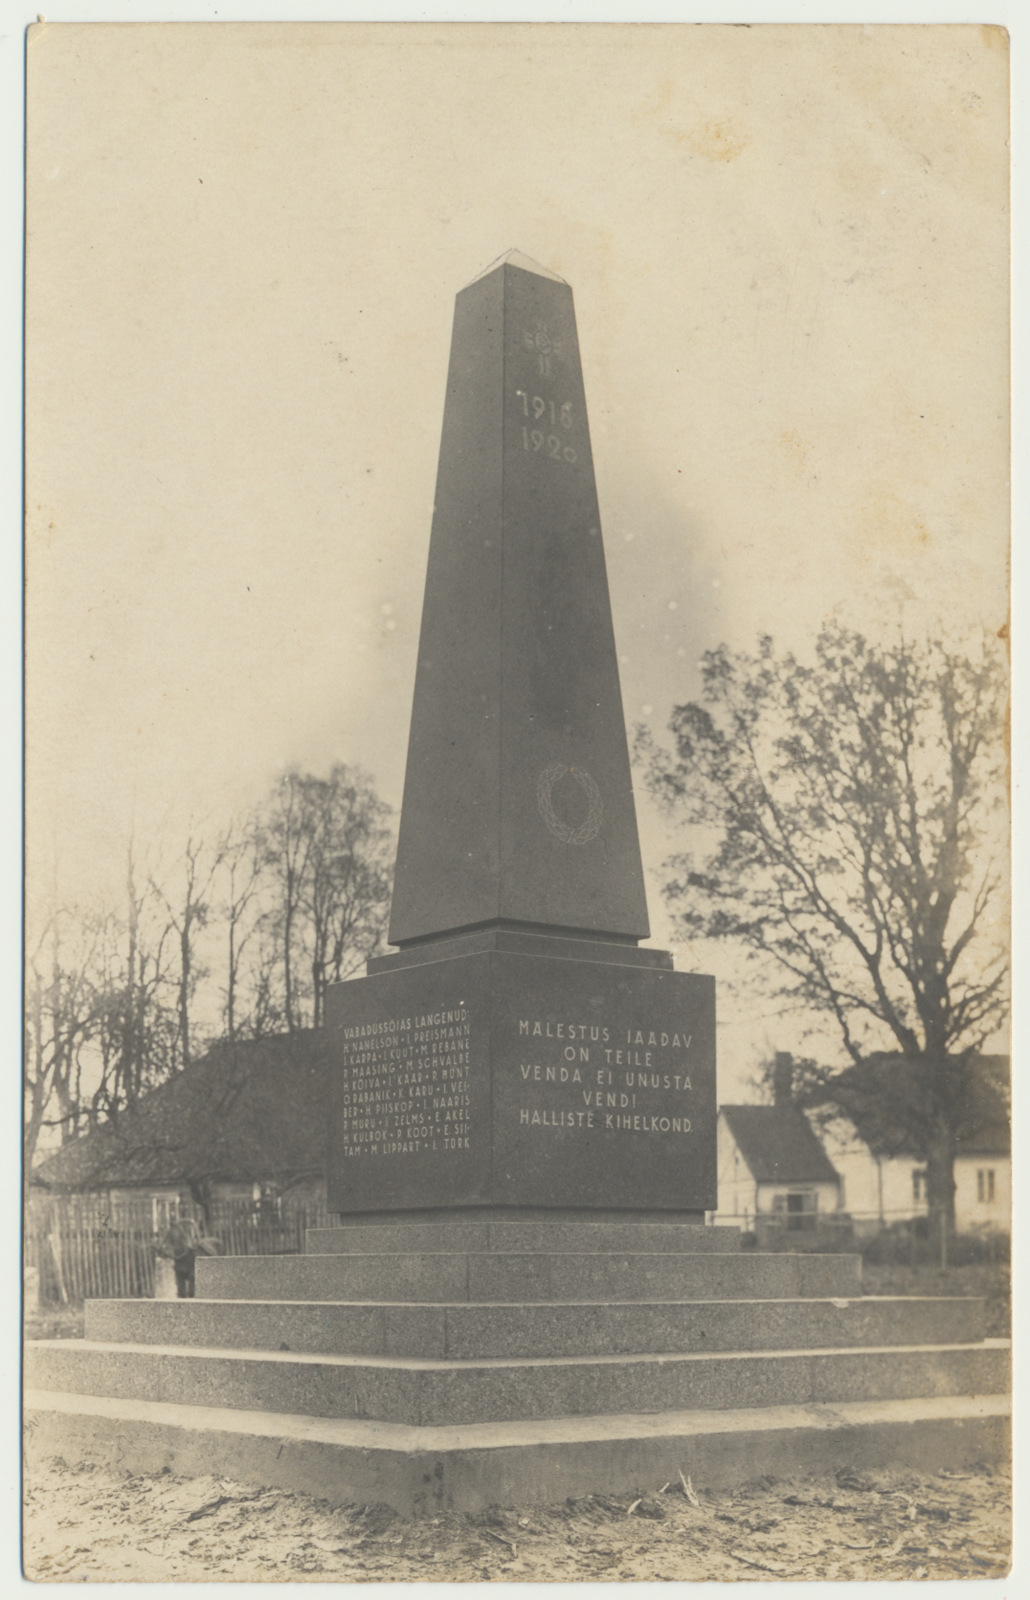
847	834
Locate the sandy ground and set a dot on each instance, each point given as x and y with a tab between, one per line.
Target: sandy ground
96	1525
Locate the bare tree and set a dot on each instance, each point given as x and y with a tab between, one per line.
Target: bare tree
240	858
60	1023
138	1030
326	852
856	856
100	1025
296	896
188	915
346	892
287	847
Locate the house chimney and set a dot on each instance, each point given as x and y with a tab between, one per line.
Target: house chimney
783	1078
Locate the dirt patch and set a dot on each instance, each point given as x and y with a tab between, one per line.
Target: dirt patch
92	1524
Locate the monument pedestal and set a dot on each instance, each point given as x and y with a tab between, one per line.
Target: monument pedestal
503	1068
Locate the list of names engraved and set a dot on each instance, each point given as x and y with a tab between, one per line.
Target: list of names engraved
405	1084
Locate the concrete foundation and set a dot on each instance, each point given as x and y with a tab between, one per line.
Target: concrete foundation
420	1471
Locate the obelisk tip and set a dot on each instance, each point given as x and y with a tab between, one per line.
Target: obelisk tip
515	258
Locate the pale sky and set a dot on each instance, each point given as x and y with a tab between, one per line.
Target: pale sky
788	250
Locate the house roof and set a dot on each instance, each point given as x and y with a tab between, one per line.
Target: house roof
250	1111
779	1145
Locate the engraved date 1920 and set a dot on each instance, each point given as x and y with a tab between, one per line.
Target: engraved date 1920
542	410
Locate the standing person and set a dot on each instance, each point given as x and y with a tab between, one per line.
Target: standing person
180	1243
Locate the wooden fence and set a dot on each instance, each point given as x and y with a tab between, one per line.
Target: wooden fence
85	1249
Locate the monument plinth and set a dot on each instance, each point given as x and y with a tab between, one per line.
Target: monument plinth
519	1050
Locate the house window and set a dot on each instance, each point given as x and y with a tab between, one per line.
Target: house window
798	1209
918	1184
269	1205
164	1211
985	1183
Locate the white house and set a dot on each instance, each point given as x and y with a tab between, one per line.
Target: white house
882	1186
876	1190
772	1165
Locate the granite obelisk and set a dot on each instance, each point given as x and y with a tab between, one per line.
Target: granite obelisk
518	804
519	1050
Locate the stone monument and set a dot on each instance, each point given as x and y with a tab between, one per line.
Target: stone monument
517	1306
519	1049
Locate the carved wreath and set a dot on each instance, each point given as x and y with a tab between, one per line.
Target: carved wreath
562	831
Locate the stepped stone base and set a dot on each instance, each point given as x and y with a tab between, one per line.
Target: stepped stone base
466	1362
496	1331
420	1471
438	1393
491	1230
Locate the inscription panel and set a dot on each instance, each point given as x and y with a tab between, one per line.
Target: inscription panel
522	1080
409	1108
405	1084
604	1086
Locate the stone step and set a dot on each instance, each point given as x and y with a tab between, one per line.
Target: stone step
529	1276
425	1471
566	1235
473	1332
435	1394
